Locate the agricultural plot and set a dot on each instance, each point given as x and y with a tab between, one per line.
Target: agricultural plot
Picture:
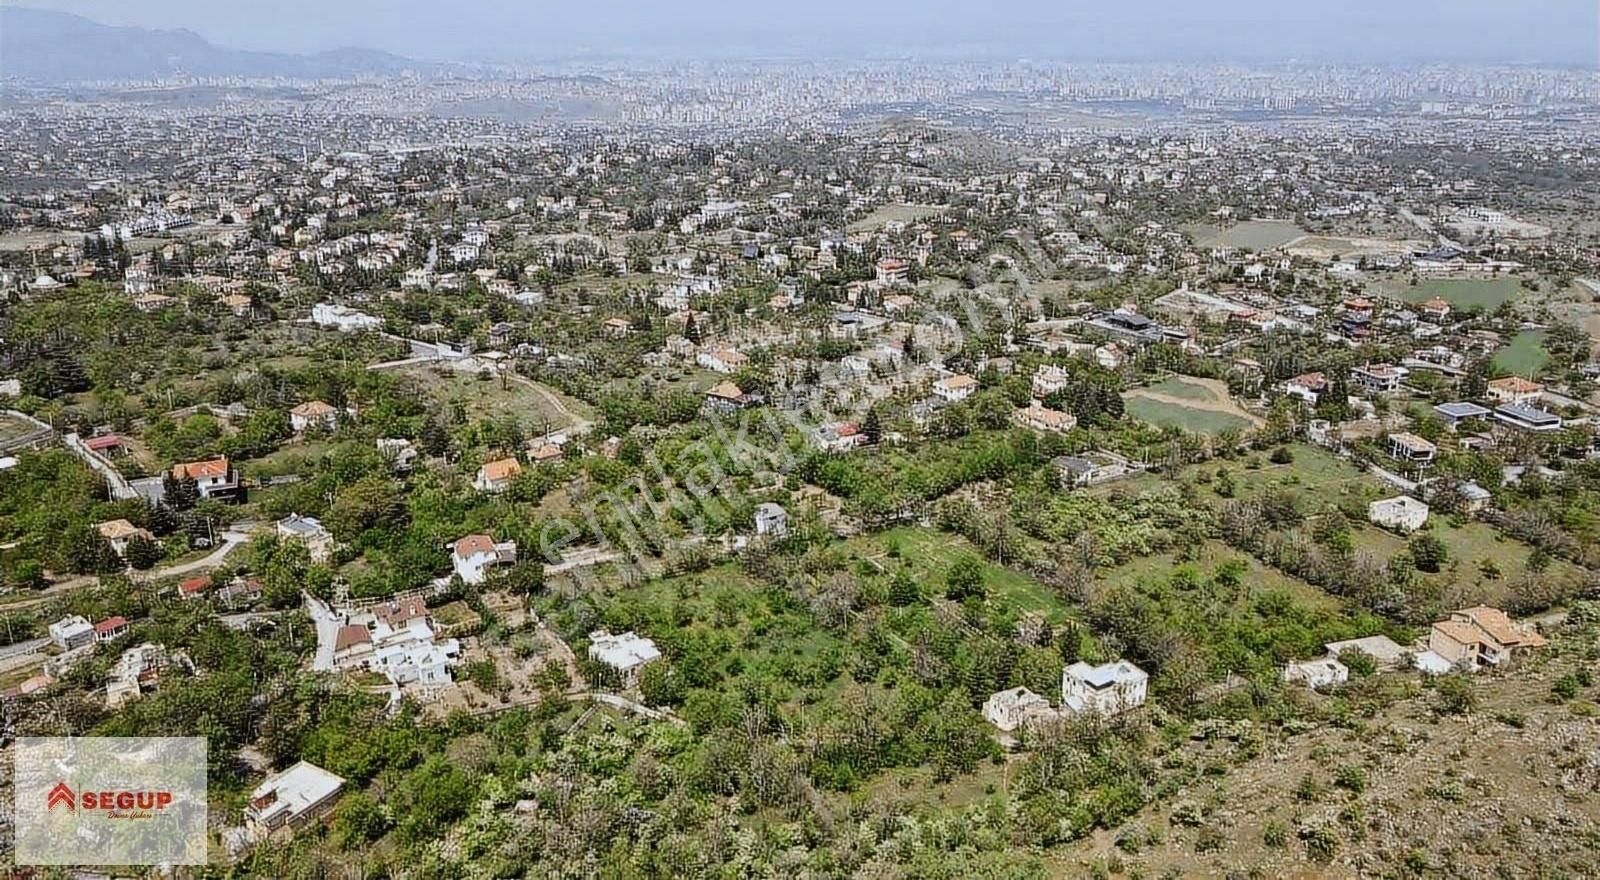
929	554
1201	406
894	213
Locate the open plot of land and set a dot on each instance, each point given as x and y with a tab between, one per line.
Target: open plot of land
1199	405
537	407
1314	473
1213	553
1257	235
15	430
1459	790
930	553
894	213
1323	247
1463	293
1524	356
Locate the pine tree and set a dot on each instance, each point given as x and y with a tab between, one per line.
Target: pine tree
872	426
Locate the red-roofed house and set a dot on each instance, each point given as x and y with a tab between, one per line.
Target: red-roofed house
194	587
110	628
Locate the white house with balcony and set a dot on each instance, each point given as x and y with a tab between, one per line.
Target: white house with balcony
1107	689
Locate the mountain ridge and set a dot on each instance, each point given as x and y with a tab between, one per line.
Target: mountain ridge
46	46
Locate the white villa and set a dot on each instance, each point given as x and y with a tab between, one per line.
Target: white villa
626	653
1402	513
288	800
396	638
1106	689
1325	672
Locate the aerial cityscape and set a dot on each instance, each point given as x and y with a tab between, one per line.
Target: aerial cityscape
692	441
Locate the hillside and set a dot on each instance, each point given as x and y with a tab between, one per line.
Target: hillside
1492	776
56	47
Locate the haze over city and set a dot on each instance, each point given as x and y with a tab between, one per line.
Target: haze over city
1368	31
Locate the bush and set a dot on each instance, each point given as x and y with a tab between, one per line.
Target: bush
964	578
1453	695
1274	835
1351	777
1282	455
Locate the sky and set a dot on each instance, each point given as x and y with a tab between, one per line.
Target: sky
1373	31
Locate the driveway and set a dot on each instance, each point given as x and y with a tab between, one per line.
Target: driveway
230	540
327	624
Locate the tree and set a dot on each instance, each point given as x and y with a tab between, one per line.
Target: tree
964	578
526	577
872	426
903	589
358	820
660	684
89	553
142	553
1429	553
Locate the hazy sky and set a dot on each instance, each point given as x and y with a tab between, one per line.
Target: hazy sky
1566	31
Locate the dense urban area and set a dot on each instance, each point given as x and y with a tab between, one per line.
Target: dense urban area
799	469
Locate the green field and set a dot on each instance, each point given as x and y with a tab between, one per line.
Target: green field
1464	293
929	552
1525	356
1256	235
1163	405
1314	473
1177	386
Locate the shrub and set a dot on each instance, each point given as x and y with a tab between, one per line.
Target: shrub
1351	777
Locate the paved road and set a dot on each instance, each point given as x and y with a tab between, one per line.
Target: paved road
28	647
327	624
230	540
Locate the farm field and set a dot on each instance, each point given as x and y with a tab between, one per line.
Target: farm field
1198	405
1524	356
1314	472
1325	247
1462	293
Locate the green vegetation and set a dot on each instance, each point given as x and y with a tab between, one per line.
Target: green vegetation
1524	355
1485	294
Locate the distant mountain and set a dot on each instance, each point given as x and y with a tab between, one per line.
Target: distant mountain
58	47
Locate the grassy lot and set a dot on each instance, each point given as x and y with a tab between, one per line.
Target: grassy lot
892	213
928	553
1314	471
725	602
1177	386
1525	356
1167	403
1259	578
12	428
1253	234
291	459
1198	421
494	398
1463	293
